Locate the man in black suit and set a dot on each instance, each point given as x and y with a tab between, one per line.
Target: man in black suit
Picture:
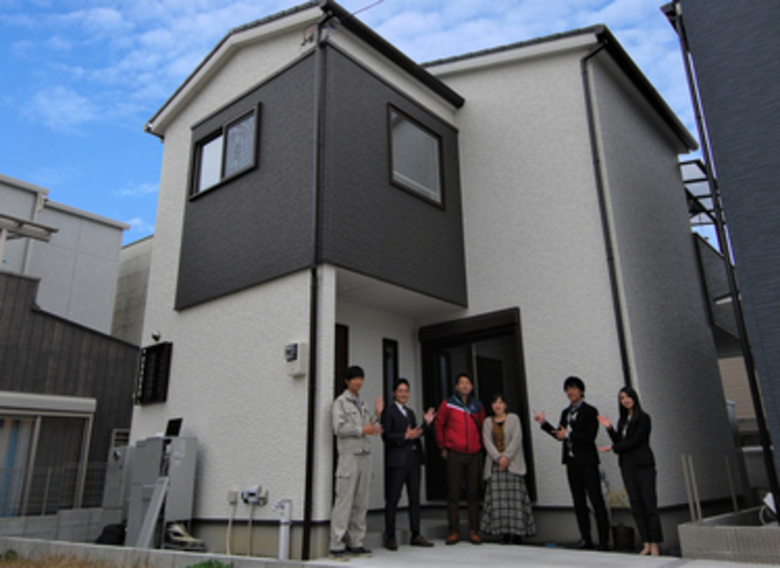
403	457
577	430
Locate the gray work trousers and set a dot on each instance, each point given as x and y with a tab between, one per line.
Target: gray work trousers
348	518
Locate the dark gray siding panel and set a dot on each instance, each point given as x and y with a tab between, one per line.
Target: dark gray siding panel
44	354
736	52
257	226
369	225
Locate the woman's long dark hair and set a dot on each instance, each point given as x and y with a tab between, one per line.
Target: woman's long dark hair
623	410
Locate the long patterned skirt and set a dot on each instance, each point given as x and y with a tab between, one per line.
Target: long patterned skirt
507	508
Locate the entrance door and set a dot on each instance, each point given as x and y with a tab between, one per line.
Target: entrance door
489	349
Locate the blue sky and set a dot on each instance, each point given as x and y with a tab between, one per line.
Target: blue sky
81	77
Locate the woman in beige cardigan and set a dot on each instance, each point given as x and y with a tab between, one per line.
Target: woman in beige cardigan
507	509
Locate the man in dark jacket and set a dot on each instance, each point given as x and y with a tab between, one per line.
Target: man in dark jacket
577	430
459	435
403	458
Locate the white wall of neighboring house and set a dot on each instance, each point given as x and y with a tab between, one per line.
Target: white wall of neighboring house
78	267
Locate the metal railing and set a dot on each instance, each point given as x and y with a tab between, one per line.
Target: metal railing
46	490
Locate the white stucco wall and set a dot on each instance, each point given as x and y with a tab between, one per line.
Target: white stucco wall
367	329
533	234
673	353
228	376
229	383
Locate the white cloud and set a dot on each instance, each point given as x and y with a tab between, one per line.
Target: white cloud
61	109
139	226
130	55
139	190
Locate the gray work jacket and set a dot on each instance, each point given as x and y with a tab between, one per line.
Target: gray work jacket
350	415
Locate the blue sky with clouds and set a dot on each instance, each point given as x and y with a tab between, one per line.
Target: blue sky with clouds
81	77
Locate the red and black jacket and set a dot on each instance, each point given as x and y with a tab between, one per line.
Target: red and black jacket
458	426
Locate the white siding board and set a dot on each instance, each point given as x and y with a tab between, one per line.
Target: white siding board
533	234
673	356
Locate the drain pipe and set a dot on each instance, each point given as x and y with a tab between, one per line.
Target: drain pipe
285	506
673	12
596	157
319	119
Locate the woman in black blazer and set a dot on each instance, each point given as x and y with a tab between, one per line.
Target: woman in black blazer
631	442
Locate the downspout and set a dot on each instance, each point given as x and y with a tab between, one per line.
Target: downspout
319	118
723	242
605	225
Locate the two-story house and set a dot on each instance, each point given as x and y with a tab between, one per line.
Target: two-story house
515	213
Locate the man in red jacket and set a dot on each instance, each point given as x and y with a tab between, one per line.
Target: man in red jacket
458	429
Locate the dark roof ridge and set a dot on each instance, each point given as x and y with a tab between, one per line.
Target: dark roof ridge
595	29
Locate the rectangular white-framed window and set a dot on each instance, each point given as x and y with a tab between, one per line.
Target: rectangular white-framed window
226	152
415	157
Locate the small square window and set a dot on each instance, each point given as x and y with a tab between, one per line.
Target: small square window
226	153
415	157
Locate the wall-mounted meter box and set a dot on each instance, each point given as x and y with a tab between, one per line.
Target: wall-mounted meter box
296	356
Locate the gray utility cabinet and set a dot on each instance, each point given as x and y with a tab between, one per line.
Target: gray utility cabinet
154	458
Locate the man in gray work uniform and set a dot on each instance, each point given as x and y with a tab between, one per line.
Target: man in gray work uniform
352	425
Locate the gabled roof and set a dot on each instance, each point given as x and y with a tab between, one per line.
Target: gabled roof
328	8
602	36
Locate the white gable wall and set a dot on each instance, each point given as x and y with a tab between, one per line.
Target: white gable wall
533	234
228	377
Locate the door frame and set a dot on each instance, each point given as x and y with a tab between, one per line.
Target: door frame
503	322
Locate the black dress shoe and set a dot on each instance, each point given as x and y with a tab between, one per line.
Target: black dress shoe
419	540
583	545
391	544
603	547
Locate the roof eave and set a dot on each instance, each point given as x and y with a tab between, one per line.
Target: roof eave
266	27
644	85
395	55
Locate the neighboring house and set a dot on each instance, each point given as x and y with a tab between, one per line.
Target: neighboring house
516	213
78	267
130	300
736	61
66	386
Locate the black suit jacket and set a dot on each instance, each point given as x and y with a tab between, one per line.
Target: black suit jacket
397	448
582	435
633	446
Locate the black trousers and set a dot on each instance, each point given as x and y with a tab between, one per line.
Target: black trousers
397	477
458	466
584	480
640	486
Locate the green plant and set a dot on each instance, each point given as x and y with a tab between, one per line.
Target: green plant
211	563
9	555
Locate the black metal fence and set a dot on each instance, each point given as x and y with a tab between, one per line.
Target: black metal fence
46	490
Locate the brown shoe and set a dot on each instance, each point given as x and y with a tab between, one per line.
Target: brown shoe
391	544
474	538
454	538
419	540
